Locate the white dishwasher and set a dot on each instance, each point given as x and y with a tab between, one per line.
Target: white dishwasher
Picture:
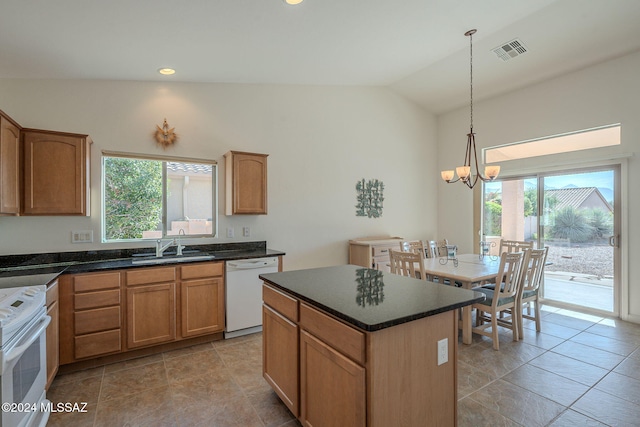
243	294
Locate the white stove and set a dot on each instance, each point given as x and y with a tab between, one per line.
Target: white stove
23	362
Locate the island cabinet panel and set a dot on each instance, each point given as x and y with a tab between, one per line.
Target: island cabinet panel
280	357
411	389
335	333
10	179
332	387
348	376
151	314
56	173
280	302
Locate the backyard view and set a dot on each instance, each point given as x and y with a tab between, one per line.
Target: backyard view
576	220
152	199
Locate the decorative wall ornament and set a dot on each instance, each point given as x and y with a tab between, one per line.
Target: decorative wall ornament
370	198
164	135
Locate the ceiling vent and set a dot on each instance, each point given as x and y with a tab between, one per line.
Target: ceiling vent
510	50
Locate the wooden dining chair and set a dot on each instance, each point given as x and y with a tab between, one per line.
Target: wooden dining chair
502	299
510	246
432	249
531	280
408	264
416	246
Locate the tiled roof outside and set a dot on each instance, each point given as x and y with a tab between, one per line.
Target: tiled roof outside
574	197
189	167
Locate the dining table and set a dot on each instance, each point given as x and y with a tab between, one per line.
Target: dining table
467	269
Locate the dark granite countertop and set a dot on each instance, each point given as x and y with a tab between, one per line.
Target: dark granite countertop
38	269
370	299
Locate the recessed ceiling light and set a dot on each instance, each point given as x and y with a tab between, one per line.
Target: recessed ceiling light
166	71
293	1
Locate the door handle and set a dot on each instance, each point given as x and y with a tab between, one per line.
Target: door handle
614	241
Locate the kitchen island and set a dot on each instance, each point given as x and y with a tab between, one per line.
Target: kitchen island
352	346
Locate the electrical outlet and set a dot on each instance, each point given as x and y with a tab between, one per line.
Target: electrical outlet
443	351
230	232
246	231
82	236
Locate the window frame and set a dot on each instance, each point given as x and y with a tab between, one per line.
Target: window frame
164	160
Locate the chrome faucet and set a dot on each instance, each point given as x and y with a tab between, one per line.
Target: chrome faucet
160	247
178	245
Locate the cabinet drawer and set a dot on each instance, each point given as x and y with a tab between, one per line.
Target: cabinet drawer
96	299
280	302
96	282
343	338
97	344
96	320
151	275
196	271
381	263
384	250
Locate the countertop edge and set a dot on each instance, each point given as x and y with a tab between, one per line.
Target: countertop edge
53	271
377	326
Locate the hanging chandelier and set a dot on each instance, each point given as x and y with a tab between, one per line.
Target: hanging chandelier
465	173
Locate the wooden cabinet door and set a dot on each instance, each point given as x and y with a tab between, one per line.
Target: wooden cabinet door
55	173
202	306
10	188
332	387
151	314
246	186
53	340
280	357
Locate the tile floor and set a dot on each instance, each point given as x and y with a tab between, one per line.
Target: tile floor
581	370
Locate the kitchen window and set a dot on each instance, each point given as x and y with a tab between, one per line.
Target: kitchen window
153	197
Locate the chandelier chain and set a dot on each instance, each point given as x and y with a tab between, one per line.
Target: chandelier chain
469	173
471	78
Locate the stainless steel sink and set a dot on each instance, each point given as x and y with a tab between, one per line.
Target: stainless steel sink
171	259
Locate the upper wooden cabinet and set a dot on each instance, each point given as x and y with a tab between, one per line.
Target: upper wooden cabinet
10	182
56	173
246	183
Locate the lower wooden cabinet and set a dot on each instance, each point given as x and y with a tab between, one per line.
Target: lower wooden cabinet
106	313
151	314
90	315
280	356
343	376
52	334
332	387
202	304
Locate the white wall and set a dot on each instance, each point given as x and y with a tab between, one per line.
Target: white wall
599	95
320	141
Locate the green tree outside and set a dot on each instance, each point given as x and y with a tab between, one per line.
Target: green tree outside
133	197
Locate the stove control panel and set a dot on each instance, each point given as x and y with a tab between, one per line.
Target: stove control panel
16	303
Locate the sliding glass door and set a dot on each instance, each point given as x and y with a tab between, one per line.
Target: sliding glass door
574	213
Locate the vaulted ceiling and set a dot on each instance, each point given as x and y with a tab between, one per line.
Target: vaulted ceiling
416	47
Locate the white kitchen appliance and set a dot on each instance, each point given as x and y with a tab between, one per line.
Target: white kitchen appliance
23	360
243	294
